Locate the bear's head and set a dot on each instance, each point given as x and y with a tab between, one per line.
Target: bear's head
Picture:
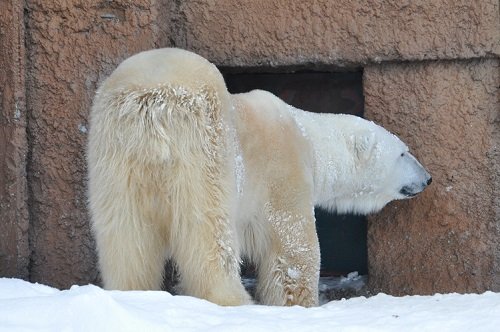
382	169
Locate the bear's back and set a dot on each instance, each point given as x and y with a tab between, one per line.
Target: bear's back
167	66
275	150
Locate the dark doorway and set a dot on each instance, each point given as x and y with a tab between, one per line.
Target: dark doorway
342	237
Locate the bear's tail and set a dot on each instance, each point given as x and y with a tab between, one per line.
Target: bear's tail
157	124
170	139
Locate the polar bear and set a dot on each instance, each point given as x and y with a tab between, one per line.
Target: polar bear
181	169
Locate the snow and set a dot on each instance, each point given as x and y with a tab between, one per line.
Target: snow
293	273
32	307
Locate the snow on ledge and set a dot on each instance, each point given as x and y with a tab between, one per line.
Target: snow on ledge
33	307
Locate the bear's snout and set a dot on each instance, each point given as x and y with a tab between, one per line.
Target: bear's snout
414	189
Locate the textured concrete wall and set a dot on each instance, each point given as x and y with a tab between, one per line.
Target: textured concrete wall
342	32
72	45
14	250
447	239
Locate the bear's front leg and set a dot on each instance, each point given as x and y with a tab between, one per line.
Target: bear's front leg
289	273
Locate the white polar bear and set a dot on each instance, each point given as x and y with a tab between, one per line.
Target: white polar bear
181	169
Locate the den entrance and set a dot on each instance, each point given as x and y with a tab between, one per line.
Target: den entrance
342	237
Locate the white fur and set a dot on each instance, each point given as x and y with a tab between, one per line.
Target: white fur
179	168
359	166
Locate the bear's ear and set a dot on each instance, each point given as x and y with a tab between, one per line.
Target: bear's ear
363	144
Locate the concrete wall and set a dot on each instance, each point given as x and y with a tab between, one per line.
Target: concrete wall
446	240
72	45
430	75
14	222
337	33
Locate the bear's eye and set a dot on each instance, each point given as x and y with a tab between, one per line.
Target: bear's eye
402	154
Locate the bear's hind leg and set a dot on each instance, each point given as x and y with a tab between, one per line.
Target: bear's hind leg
130	263
131	243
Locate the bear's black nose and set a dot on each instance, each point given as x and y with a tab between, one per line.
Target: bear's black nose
429	181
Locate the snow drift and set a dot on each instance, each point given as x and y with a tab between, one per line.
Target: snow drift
32	307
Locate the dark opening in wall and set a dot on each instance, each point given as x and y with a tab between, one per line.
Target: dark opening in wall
342	237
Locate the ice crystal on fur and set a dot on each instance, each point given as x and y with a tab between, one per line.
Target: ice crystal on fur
240	173
293	273
239	165
294	112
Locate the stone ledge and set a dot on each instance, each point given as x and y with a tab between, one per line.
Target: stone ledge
340	33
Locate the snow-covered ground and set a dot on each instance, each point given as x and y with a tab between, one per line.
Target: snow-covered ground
33	307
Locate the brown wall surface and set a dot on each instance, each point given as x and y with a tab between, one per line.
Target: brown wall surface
72	45
441	241
14	249
343	32
447	239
